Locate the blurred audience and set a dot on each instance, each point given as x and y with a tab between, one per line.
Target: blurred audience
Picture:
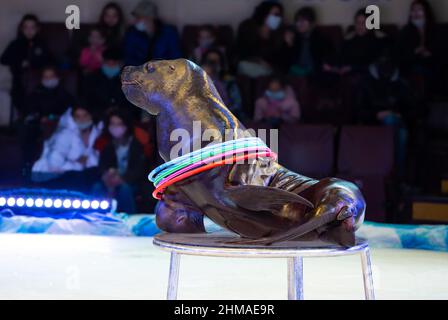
122	162
259	40
278	103
27	51
91	57
149	37
112	24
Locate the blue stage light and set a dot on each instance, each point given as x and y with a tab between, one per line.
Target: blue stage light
48	203
76	204
2	201
39	202
57	203
95	204
85	204
11	202
20	202
104	205
67	203
29	202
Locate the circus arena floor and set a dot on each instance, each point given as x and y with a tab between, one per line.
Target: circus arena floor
93	267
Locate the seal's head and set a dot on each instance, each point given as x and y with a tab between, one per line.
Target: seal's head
155	84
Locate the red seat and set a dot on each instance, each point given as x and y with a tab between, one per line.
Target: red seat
307	149
365	157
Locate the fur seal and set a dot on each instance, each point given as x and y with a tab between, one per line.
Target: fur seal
262	202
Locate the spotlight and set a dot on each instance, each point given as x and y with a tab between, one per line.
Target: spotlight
95	204
67	203
85	204
39	202
48	203
57	203
29	202
104	205
11	202
20	202
76	204
2	201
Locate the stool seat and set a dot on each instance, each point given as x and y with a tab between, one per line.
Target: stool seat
217	245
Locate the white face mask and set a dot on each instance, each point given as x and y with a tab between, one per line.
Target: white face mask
50	83
419	22
273	21
140	26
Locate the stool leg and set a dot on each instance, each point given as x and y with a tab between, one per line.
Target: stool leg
369	290
173	276
295	278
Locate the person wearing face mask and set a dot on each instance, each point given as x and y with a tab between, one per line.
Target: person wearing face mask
42	109
27	51
278	104
416	41
122	162
149	37
69	159
259	40
102	88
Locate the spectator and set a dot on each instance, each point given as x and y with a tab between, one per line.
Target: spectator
206	41
278	104
360	48
385	98
102	88
42	109
122	162
27	51
416	40
259	40
306	49
112	24
69	159
91	57
149	38
213	62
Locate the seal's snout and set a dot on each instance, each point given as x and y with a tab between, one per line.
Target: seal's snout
126	75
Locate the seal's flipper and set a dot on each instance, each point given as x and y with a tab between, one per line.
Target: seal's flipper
256	198
339	235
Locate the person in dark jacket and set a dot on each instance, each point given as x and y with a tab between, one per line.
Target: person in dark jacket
27	51
307	50
42	109
103	88
149	38
259	40
416	40
122	162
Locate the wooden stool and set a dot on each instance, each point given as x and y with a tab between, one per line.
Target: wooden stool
212	244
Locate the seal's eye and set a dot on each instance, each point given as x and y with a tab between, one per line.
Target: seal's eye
172	67
150	68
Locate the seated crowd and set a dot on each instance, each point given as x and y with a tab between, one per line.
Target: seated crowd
274	73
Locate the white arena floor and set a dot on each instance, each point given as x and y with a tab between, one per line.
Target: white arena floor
93	267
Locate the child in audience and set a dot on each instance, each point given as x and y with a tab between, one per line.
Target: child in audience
278	104
122	162
112	23
27	51
91	57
